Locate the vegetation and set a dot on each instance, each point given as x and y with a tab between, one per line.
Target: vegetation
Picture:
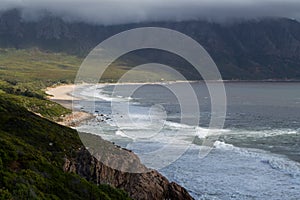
34	69
246	50
27	71
31	158
32	148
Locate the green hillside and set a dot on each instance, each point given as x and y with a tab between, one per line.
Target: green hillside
32	148
31	158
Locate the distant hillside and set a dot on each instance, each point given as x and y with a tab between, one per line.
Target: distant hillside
262	49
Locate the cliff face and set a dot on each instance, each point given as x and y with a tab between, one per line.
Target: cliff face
257	49
32	152
148	184
36	156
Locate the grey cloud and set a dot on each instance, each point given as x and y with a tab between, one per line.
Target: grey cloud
126	11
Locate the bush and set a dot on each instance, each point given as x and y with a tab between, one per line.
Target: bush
30	168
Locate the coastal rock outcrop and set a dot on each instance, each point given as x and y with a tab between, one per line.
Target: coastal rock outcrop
146	185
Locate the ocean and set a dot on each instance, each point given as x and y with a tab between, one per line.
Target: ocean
256	155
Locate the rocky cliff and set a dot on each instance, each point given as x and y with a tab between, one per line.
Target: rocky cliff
110	165
40	159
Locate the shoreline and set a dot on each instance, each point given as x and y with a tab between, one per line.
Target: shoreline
66	91
62	94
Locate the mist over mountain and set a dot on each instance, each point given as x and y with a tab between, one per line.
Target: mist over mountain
250	49
109	12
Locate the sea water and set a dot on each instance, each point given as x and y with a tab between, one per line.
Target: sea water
255	156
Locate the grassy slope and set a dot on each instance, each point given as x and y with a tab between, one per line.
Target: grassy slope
33	66
33	69
30	168
25	73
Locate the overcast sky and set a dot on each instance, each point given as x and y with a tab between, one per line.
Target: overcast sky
125	11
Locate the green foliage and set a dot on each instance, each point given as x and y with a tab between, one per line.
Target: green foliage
5	194
46	108
28	70
35	68
31	168
113	194
32	148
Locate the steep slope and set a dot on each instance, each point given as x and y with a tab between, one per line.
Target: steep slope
257	49
41	159
32	151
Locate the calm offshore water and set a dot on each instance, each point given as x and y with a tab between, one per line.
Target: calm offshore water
256	155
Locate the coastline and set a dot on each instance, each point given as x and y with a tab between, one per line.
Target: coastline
66	92
62	94
150	185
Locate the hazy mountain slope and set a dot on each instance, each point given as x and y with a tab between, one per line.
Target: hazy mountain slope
263	49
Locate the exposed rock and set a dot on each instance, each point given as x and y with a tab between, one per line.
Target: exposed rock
75	118
148	184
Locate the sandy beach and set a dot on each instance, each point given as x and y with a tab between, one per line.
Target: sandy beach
63	95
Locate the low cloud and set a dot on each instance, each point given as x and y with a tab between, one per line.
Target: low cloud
127	11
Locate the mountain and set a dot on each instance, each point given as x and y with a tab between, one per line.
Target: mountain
257	49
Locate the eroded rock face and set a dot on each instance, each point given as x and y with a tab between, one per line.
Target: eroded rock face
146	185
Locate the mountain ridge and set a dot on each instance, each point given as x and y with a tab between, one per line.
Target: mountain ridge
246	50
